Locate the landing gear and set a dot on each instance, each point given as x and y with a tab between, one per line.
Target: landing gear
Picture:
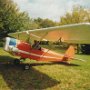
19	62
16	61
26	67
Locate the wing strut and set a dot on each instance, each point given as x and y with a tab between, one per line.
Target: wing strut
41	38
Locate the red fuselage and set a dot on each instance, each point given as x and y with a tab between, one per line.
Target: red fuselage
25	50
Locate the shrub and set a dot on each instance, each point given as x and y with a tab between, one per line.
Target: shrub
1	44
85	48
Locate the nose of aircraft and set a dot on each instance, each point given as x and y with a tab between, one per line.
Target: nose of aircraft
9	42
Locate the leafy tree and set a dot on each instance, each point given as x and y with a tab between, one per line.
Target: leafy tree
12	20
78	15
47	23
43	23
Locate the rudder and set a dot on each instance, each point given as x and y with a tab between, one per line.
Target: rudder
69	54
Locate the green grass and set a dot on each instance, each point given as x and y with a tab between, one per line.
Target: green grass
47	76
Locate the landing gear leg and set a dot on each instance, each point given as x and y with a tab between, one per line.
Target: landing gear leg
26	66
18	62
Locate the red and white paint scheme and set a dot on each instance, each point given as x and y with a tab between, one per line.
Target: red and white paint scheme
65	33
25	50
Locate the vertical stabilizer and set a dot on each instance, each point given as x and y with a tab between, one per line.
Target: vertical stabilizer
69	53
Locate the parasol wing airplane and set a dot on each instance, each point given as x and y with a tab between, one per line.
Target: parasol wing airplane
72	33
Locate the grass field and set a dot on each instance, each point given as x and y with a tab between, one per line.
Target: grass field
44	76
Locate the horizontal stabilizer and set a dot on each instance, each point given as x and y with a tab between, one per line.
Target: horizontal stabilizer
79	59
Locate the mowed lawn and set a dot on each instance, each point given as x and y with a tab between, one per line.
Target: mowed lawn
44	76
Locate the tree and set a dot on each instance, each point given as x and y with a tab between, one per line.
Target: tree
78	15
12	20
47	23
43	23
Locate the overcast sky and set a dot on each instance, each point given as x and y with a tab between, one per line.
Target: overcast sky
51	9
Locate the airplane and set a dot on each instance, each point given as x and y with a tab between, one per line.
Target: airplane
72	34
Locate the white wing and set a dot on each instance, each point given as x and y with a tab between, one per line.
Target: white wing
72	33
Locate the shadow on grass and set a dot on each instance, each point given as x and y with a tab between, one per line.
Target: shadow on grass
53	63
8	59
18	79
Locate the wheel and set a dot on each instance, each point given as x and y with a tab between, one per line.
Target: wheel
26	67
16	62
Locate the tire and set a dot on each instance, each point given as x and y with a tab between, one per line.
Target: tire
26	67
16	62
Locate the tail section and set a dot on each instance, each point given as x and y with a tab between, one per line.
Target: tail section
69	53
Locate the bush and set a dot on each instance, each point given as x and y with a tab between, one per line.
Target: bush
1	44
85	48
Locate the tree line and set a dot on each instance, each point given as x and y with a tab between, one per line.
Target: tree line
78	15
13	20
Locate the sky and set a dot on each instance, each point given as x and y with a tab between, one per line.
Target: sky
52	9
